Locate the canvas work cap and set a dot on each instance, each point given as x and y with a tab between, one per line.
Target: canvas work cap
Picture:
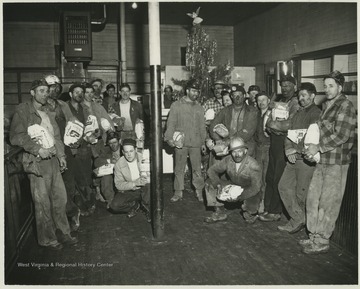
237	143
253	87
111	135
75	85
129	141
288	78
337	76
38	82
193	83
237	87
308	86
219	82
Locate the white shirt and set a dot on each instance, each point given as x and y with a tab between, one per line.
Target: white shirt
125	112
45	122
134	170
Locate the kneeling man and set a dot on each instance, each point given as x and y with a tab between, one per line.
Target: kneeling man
242	170
134	190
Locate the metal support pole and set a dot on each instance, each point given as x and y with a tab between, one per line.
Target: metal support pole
123	44
157	198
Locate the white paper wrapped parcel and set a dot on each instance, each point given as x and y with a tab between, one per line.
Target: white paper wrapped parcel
313	136
41	136
104	170
296	135
73	132
230	193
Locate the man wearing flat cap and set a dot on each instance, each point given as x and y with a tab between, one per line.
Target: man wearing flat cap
42	160
295	180
278	129
239	118
215	103
187	116
242	170
133	188
337	133
253	90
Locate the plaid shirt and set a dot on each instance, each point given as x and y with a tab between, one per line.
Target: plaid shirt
214	104
337	130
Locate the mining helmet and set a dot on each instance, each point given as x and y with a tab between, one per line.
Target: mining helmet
52	79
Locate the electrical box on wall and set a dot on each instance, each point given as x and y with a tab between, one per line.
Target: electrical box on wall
77	36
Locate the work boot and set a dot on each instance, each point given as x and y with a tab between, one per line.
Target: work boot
269	217
199	195
316	248
133	210
286	228
145	209
99	196
305	242
250	218
55	246
75	222
178	195
218	216
68	240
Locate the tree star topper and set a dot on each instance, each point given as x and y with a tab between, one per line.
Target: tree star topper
195	16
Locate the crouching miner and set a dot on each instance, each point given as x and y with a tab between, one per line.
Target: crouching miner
42	164
242	170
134	189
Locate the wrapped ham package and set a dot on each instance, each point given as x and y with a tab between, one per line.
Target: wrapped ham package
73	132
230	193
313	136
41	136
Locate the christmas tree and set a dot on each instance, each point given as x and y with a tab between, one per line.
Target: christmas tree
200	56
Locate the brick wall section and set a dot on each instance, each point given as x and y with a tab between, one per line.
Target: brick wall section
270	36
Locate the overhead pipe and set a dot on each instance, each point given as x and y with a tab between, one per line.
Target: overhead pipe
157	197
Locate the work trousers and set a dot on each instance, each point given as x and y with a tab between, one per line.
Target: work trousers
180	163
324	199
293	187
262	157
124	201
251	200
272	201
49	196
107	187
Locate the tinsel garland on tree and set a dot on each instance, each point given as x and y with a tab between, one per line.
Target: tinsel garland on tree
200	56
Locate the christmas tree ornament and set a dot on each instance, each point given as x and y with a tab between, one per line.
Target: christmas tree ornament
195	16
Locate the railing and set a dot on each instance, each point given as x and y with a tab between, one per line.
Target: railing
18	207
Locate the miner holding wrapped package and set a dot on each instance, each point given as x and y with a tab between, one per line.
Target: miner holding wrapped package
236	120
277	124
133	187
186	132
43	165
243	184
335	139
126	113
295	180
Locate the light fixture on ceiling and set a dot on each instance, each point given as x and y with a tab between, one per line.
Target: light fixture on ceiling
134	5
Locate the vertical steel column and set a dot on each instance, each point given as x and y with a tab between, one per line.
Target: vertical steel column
157	200
123	44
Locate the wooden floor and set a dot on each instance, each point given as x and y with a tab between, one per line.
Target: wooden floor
115	250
